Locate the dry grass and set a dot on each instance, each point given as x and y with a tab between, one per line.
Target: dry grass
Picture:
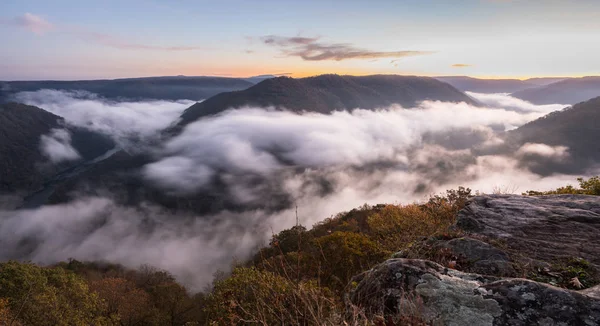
395	227
261	297
302	276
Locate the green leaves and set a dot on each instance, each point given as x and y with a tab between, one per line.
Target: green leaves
590	186
49	296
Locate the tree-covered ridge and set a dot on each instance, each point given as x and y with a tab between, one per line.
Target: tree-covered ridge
150	88
76	293
21	129
568	91
328	93
22	126
576	127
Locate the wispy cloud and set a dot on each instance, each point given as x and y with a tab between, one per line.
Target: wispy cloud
39	25
124	121
461	65
310	49
57	146
34	23
119	43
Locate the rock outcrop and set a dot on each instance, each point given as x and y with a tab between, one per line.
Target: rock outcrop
448	297
467	254
521	261
544	227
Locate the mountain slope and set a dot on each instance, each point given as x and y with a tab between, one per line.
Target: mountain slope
577	127
327	93
568	91
543	81
23	166
476	85
156	88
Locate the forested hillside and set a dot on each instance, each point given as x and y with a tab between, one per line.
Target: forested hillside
22	163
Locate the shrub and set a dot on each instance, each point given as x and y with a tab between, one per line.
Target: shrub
290	240
253	296
124	300
147	295
590	186
342	255
6	316
396	227
49	296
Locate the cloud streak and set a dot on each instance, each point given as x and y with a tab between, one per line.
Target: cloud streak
555	152
40	26
33	23
126	122
461	65
120	43
255	141
57	146
507	102
310	49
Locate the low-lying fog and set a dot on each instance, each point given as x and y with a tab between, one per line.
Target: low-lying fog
392	155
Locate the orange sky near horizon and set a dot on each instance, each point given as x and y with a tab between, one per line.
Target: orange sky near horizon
516	39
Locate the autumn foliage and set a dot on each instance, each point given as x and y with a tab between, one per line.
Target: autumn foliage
300	278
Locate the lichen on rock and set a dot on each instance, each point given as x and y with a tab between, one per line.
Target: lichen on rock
448	297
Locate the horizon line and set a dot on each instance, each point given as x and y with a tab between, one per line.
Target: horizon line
294	75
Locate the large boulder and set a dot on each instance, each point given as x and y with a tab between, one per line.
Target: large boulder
544	227
445	296
549	238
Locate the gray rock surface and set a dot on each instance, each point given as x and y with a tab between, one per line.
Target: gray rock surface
551	240
545	228
468	254
480	257
592	292
449	297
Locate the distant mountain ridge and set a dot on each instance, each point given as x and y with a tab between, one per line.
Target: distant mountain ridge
569	91
327	93
257	79
478	85
147	88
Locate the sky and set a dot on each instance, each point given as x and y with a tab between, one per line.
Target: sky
81	39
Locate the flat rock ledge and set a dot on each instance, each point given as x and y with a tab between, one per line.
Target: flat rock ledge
544	228
445	296
549	240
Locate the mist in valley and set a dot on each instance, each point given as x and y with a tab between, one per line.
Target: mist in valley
322	164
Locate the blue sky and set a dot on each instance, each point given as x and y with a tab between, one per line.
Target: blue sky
68	39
